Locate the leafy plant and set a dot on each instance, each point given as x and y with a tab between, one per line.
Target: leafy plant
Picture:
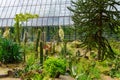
9	51
115	70
85	70
32	70
54	66
32	64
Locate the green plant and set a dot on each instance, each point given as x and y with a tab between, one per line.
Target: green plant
95	22
32	64
9	51
32	70
25	41
85	70
41	53
54	66
37	43
115	70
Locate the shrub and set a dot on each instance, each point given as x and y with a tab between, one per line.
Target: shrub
115	68
32	69
86	70
9	51
54	66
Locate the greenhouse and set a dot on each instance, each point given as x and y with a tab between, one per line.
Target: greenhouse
51	12
59	39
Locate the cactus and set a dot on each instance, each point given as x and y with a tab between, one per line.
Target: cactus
25	38
17	31
41	53
25	41
37	43
46	54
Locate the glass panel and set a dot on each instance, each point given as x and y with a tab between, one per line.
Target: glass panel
4	11
47	10
50	21
39	22
62	10
23	9
61	20
34	22
44	21
39	2
1	20
44	1
32	10
14	2
13	12
1	10
52	10
9	23
67	20
56	21
55	1
9	12
42	10
48	2
57	10
18	10
3	2
4	22
37	10
34	2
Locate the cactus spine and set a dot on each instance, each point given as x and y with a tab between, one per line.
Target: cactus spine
37	43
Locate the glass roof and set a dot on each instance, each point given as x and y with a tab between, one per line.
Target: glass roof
51	12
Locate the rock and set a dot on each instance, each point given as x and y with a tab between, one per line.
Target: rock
10	73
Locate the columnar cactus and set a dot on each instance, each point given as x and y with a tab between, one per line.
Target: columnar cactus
37	43
25	41
41	52
25	38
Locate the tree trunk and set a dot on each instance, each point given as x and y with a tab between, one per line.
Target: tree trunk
99	35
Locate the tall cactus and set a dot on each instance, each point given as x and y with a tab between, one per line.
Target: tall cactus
25	41
41	53
37	43
42	43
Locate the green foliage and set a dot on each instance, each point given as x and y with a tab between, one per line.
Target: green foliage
32	75
9	51
54	66
115	69
19	18
37	77
32	64
32	70
85	70
94	20
25	17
